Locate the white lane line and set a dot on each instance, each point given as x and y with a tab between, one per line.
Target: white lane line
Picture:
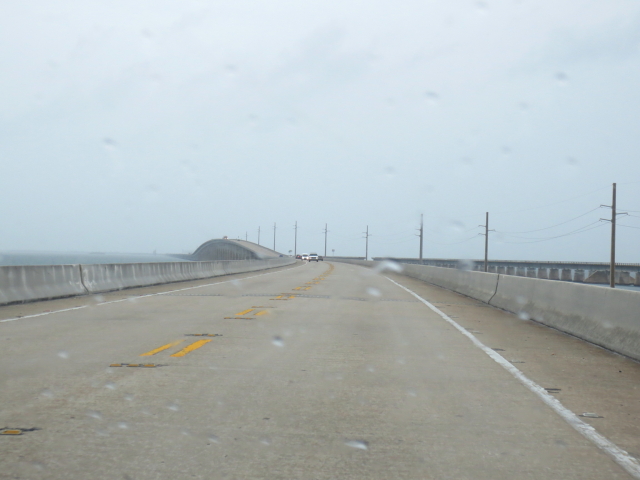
621	457
13	319
41	314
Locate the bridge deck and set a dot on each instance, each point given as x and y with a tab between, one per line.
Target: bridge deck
319	371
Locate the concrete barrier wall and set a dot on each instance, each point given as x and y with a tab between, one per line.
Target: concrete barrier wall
479	285
604	316
28	283
25	283
104	278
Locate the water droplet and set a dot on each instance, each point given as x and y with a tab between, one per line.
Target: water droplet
265	441
278	342
390	171
522	315
129	397
110	385
47	393
521	300
132	299
374	292
465	265
98	298
483	6
370	369
109	143
360	444
94	414
412	393
433	97
173	407
562	78
185	432
572	161
388	265
214	438
506	151
38	465
401	361
64	355
123	425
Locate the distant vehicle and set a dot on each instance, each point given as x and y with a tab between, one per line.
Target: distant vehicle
305	256
320	258
313	257
298	257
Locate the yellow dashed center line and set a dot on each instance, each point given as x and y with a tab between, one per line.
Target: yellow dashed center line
244	312
190	348
160	349
263	312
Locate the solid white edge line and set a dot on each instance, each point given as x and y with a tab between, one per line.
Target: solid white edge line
13	319
41	314
621	457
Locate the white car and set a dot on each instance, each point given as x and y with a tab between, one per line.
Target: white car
305	256
313	257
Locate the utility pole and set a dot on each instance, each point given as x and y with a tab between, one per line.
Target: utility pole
421	236
258	235
612	280
325	239
614	216
366	235
486	242
295	239
274	236
246	236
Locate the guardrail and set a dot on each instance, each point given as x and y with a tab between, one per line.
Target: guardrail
607	317
41	282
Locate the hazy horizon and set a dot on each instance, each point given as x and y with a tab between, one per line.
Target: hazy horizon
133	127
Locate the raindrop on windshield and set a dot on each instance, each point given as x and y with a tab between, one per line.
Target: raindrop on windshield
360	444
63	354
129	397
265	441
214	438
47	393
562	78
465	265
522	315
109	143
173	407
94	414
388	265
123	425
433	97
110	385
374	292
278	342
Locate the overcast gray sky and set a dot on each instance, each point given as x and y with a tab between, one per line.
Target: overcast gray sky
133	126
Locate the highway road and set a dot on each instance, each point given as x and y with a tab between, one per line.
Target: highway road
314	371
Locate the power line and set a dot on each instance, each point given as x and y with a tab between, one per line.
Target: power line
575	232
557	224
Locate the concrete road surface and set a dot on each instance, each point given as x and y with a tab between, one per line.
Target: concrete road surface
315	371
